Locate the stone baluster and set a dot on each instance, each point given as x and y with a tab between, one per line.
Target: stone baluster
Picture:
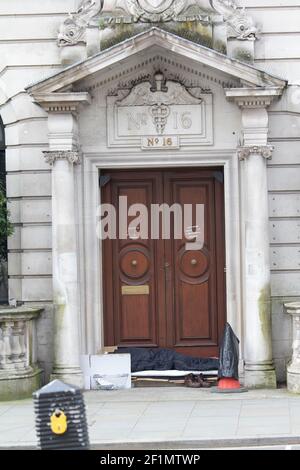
1	346
23	335
293	370
7	360
18	345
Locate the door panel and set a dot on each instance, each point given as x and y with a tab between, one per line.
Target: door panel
134	304
156	293
194	318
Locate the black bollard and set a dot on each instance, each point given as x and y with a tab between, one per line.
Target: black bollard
60	417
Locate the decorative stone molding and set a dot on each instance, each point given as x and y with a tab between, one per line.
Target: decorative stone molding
19	374
73	156
241	24
160	108
254	102
176	71
159	98
73	29
61	108
266	151
62	102
293	370
191	55
253	97
154	11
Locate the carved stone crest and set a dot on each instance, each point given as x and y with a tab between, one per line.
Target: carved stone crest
155	10
160	109
159	98
72	30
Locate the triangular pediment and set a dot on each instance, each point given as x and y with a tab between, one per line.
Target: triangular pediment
167	43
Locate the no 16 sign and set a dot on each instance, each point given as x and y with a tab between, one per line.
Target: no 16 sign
160	142
181	120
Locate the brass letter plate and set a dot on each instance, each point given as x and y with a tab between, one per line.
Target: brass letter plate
135	290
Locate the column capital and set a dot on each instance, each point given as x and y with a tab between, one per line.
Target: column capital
292	308
72	156
266	151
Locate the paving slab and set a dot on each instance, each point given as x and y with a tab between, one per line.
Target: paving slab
171	418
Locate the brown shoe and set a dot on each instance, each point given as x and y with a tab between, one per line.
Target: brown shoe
202	381
190	381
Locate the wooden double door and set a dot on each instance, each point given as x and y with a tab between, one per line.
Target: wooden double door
156	292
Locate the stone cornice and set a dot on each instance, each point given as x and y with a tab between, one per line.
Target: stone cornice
72	156
19	313
166	42
62	102
253	97
265	151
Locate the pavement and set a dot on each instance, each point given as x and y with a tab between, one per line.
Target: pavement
171	418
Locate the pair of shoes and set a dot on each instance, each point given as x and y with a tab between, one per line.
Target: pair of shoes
191	382
196	381
202	381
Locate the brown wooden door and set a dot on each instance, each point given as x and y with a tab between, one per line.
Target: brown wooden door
156	293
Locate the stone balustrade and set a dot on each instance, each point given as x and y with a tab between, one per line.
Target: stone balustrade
19	374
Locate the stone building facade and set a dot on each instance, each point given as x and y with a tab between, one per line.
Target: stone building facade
62	79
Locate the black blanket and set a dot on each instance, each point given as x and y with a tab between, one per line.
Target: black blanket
166	359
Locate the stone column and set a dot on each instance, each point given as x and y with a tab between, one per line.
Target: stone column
293	370
254	153
62	156
259	367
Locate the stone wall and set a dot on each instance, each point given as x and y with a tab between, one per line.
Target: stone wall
28	52
278	52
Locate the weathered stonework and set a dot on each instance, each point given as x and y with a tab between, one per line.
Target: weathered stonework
71	156
19	373
259	365
29	53
160	107
200	21
293	370
265	151
143	105
63	156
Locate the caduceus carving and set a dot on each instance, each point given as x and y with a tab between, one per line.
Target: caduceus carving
158	97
